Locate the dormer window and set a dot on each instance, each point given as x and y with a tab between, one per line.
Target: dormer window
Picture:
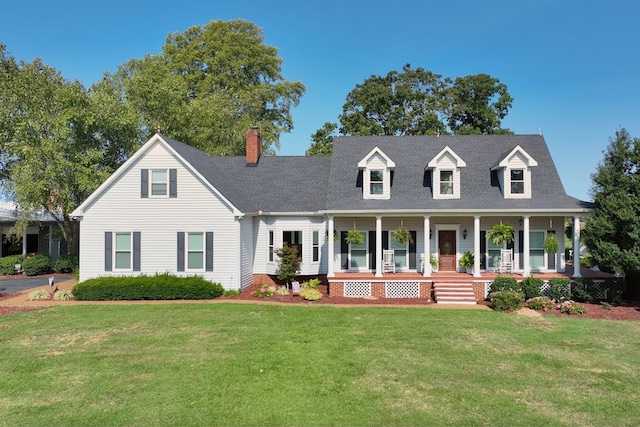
517	181
446	182
376	182
445	168
514	174
376	174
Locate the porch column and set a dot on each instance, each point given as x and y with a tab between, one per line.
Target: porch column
330	244
427	247
379	245
525	247
476	246
24	243
576	247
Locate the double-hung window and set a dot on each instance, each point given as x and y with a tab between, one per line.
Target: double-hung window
195	251
293	238
517	181
316	246
123	251
271	247
536	249
446	182
376	182
159	182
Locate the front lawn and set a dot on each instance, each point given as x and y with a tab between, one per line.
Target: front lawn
250	364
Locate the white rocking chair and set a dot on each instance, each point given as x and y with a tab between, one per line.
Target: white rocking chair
388	263
506	260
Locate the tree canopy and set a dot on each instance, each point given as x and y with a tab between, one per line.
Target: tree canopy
420	102
58	140
612	229
209	85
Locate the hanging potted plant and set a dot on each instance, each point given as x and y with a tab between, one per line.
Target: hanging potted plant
500	233
551	243
467	261
354	237
402	235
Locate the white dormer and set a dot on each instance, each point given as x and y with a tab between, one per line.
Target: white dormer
376	175
446	174
514	174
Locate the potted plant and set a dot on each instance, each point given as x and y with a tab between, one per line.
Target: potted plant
402	235
434	262
551	243
354	237
467	261
500	233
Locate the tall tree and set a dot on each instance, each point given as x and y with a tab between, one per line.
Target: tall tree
58	141
323	140
477	105
612	229
410	102
210	84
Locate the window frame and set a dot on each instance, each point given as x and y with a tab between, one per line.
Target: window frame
519	182
378	183
296	240
152	182
315	246
541	251
449	183
116	251
271	245
359	248
189	251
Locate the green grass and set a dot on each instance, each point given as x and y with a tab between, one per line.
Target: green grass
232	364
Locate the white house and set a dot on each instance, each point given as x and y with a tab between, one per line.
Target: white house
173	208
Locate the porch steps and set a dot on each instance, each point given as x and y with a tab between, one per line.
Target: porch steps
454	293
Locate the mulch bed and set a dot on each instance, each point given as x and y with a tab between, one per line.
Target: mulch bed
628	310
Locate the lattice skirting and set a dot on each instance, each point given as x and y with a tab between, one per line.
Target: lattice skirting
357	289
382	289
402	289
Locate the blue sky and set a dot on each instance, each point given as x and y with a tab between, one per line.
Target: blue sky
571	66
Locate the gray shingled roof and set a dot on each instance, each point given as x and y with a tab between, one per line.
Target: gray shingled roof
311	184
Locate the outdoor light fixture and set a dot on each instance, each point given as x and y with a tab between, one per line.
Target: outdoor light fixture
464	233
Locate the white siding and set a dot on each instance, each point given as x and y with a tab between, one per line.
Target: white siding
197	209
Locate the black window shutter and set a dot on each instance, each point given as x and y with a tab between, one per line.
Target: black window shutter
180	250
483	249
144	183
521	248
209	251
551	260
412	249
173	183
108	257
136	251
372	250
385	240
344	251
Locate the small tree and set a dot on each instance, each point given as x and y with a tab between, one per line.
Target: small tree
289	264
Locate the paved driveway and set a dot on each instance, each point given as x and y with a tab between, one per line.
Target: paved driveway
22	284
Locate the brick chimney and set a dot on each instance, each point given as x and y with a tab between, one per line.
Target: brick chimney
254	146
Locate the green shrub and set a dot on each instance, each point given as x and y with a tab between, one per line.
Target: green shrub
507	300
76	273
63	295
36	265
559	289
282	291
310	294
158	287
65	263
541	303
40	294
8	263
231	293
606	305
532	287
572	307
311	284
264	291
502	283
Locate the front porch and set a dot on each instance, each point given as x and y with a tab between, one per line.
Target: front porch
414	285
